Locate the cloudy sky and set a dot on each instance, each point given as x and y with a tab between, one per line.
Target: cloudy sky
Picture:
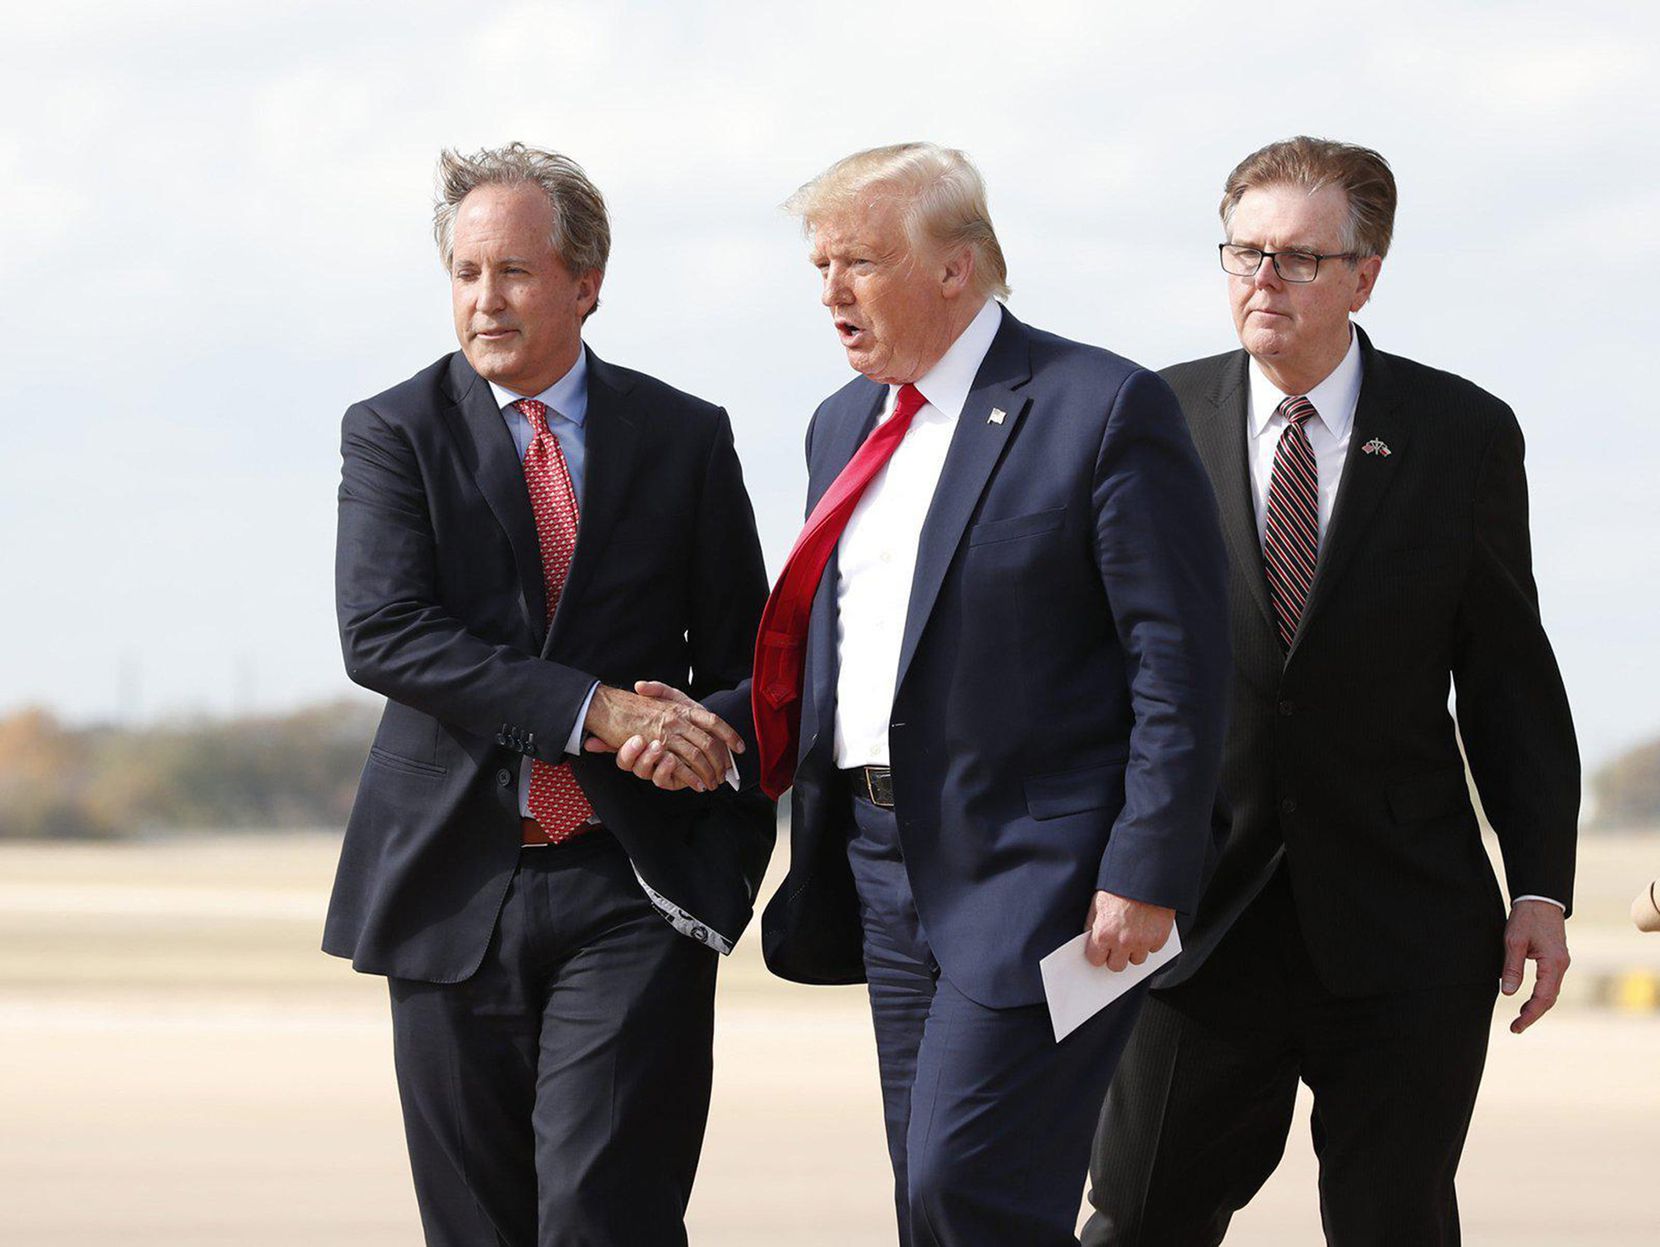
216	237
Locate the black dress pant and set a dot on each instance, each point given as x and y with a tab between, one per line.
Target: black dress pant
1198	1113
557	1098
988	1118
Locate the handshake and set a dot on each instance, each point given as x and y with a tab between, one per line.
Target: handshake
660	734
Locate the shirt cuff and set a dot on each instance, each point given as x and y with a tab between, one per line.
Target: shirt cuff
1546	899
574	743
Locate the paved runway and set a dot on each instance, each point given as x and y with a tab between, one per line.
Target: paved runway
181	1067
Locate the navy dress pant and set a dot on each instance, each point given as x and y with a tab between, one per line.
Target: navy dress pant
989	1120
557	1098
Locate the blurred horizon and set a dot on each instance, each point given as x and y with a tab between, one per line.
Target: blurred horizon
219	237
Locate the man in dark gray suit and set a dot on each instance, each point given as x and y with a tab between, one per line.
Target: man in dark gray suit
1352	934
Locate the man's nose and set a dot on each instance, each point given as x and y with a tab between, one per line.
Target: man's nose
1267	276
835	291
488	293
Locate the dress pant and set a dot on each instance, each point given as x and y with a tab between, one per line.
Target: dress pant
1198	1113
557	1098
988	1118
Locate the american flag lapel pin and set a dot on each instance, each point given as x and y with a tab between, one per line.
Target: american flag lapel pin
1376	447
996	417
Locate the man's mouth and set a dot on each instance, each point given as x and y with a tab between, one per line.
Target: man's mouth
848	332
493	335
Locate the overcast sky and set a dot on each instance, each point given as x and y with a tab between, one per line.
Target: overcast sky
215	224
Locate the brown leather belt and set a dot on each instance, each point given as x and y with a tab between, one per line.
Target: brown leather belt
533	837
873	784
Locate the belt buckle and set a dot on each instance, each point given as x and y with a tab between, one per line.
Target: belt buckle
879	786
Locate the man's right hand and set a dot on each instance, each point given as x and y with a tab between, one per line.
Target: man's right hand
661	734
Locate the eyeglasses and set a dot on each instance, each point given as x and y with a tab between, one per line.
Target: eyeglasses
1295	266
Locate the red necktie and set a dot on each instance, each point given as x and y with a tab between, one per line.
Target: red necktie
781	644
1291	535
557	803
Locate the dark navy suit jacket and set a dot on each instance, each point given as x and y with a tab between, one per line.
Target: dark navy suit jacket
1058	716
439	589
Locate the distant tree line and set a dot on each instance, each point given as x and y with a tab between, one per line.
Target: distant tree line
101	782
301	770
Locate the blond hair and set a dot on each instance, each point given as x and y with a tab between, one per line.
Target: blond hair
945	201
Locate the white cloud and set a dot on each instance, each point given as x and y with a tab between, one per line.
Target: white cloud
216	236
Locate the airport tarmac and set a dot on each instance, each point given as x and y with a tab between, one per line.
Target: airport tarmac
182	1067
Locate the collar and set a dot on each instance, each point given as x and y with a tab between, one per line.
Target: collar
1334	398
948	383
568	396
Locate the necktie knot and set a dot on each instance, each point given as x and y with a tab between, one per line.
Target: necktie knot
1297	410
909	402
535	411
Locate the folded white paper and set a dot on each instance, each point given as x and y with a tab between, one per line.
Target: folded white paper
1077	991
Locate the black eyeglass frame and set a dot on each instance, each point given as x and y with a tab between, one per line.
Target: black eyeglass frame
1274	256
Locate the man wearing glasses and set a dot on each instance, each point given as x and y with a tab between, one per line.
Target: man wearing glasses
1352	933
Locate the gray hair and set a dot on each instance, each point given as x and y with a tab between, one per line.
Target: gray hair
581	227
946	201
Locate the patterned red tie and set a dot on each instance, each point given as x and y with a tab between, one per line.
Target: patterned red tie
781	644
1291	536
557	803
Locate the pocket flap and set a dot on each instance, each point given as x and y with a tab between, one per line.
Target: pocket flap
1069	792
1016	526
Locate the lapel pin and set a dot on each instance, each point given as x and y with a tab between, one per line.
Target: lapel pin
1376	447
996	417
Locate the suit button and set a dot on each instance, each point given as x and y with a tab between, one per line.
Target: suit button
1287	709
504	778
1288	806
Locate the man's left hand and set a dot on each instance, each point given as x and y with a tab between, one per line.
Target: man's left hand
1537	931
1123	932
651	760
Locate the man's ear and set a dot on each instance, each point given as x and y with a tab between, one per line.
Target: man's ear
587	289
1367	271
957	272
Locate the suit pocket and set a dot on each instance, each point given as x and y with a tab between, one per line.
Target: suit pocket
1072	792
1016	526
408	766
1425	797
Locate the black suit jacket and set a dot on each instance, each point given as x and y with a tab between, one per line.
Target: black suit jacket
1058	713
1342	755
441	605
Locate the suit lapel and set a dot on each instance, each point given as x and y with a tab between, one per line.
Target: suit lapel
976	446
493	460
1219	437
610	454
1365	479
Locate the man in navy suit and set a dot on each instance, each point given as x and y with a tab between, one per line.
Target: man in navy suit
525	531
1010	687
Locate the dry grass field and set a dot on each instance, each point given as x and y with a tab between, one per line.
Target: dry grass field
180	1066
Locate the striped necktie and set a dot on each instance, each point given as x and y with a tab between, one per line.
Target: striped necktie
1291	536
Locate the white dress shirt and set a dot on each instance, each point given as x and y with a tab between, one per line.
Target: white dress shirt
876	557
1328	431
1334	399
